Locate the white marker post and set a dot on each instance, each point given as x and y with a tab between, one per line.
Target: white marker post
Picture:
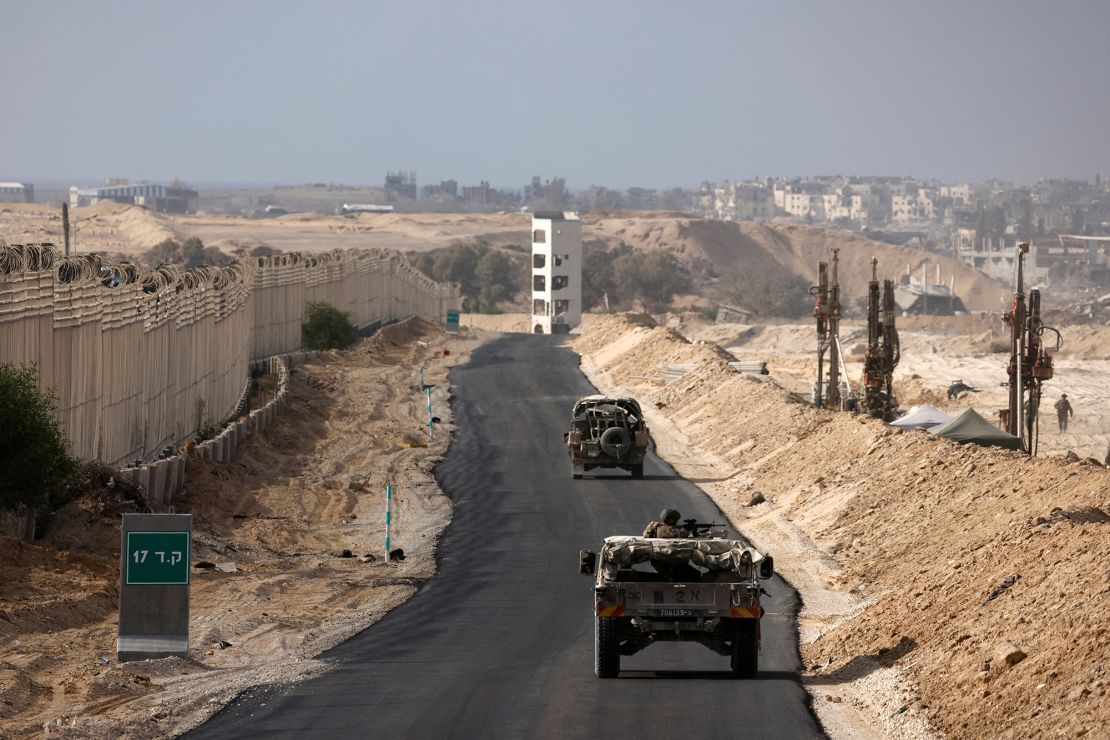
431	434
388	516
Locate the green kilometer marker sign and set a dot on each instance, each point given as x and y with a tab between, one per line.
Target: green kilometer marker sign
157	558
452	322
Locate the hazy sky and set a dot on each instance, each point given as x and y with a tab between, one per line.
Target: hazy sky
654	93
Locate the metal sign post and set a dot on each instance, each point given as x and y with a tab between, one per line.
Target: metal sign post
431	419
155	553
388	516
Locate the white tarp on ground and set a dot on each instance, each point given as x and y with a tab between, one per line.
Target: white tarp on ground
922	417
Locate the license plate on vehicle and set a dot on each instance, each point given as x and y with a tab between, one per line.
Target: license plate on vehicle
681	596
674	613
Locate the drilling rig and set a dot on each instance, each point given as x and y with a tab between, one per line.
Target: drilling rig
826	309
883	350
1030	361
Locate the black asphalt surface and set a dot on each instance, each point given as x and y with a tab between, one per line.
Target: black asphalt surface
499	644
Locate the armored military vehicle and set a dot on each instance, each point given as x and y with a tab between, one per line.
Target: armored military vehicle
607	433
702	589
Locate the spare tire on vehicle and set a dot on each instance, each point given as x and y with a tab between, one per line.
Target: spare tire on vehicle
616	441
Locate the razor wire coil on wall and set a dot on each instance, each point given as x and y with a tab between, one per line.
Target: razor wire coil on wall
141	359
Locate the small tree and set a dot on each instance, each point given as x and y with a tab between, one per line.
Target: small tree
494	277
326	327
36	454
652	277
192	252
165	252
486	275
597	277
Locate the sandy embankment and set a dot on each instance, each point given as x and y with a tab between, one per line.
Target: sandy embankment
901	546
273	522
937	350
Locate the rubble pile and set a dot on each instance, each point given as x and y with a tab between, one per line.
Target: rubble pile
980	574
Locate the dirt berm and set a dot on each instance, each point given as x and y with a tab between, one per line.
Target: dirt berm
948	590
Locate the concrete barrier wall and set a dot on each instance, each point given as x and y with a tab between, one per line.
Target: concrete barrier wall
137	359
141	360
164	479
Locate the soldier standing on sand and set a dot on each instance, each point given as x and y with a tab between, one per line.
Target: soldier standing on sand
1063	411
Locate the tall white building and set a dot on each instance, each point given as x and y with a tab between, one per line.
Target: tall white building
556	272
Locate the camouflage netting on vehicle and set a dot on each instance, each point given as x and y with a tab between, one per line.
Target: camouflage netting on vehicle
711	554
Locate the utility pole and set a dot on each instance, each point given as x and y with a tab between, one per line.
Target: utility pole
65	225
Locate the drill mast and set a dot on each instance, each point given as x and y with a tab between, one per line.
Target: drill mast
826	310
1030	361
883	350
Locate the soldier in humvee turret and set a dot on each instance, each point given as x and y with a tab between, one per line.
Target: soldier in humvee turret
666	525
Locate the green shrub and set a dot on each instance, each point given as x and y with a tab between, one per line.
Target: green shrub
651	277
326	327
36	458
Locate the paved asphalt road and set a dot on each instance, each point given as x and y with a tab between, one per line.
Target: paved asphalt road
499	644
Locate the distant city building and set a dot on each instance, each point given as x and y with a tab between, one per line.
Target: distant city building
912	209
448	190
642	199
401	184
556	272
165	198
17	192
740	201
552	194
961	195
478	195
1076	249
994	254
483	196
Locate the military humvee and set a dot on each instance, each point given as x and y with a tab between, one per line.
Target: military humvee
607	433
700	589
